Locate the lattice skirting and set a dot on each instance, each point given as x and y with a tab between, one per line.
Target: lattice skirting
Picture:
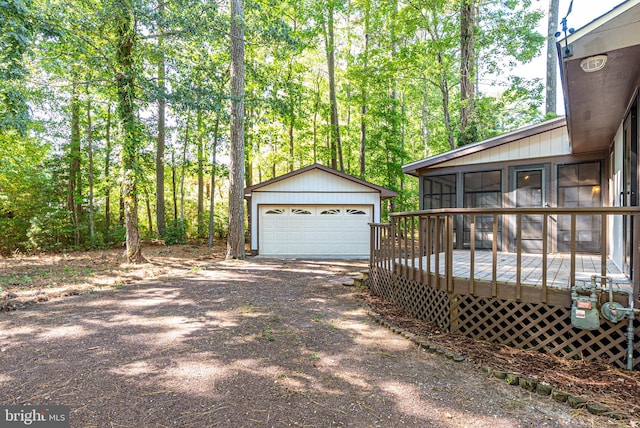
417	300
533	326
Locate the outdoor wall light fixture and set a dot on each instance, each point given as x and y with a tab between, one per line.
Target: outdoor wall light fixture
593	63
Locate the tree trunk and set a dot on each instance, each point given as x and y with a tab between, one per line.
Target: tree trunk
90	155
249	151
174	186
107	176
364	90
121	208
336	145
125	85
213	182
149	211
552	58
182	171
467	72
424	123
444	90
200	149
394	103
235	237
161	140
74	193
316	108
292	118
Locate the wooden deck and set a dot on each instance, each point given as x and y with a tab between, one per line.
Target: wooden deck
425	264
558	268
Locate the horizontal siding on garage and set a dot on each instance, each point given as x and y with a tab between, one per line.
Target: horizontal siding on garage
314	198
316	181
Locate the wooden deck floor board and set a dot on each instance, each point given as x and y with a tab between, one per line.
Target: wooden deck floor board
558	267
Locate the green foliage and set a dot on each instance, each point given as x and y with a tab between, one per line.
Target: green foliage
175	233
50	230
397	80
115	236
24	186
15	38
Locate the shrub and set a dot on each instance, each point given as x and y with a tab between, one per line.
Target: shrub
175	233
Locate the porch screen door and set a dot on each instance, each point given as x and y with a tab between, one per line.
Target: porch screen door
530	191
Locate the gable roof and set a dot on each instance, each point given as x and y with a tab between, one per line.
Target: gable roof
596	102
519	134
384	192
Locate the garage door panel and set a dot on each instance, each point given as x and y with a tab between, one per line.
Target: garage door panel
312	230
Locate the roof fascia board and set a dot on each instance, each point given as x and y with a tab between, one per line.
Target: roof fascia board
598	22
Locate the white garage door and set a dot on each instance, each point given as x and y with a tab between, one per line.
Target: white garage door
302	230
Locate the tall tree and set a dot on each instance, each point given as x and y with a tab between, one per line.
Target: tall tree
125	33
468	57
160	147
235	234
200	157
74	188
330	47
107	176
212	204
364	90
91	167
552	74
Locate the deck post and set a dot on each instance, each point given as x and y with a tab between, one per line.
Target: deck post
572	273
405	246
635	273
393	245
429	249
384	236
436	250
421	249
519	256
413	248
372	245
472	254
449	254
603	244
494	259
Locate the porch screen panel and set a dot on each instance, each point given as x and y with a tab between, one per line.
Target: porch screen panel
579	186
439	192
482	190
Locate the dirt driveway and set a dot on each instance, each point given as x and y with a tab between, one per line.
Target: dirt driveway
246	344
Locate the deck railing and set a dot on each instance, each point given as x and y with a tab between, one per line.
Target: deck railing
415	245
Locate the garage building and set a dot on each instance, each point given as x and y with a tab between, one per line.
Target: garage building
313	212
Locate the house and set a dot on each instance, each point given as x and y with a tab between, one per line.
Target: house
531	167
510	227
315	211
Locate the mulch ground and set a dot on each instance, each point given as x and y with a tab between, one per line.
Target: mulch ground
615	388
188	339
